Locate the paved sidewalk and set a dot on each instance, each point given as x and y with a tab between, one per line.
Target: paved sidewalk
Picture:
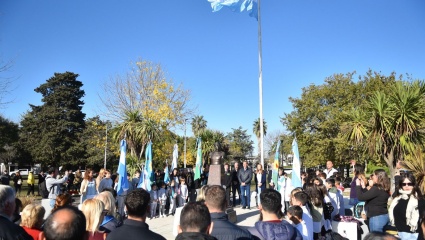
164	226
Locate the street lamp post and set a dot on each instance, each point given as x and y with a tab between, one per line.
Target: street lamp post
106	144
185	143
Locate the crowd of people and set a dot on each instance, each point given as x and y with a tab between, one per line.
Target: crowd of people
286	212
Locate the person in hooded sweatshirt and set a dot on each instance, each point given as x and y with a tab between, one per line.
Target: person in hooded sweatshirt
270	226
195	222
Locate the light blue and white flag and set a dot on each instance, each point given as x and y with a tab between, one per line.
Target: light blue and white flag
251	6
147	178
122	169
198	166
142	181
175	157
166	174
296	166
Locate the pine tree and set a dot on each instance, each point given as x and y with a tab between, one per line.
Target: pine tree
52	132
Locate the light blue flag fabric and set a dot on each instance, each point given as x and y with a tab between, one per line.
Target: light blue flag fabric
166	175
175	156
198	167
122	170
147	174
141	183
251	6
296	166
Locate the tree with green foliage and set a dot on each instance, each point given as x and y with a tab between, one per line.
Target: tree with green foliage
138	131
392	124
257	131
95	139
320	112
240	143
9	136
209	138
199	124
52	132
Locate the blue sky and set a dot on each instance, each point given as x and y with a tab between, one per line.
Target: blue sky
215	55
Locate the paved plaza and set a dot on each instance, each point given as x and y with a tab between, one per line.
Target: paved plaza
245	218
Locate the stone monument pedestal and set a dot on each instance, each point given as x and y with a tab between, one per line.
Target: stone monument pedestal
214	176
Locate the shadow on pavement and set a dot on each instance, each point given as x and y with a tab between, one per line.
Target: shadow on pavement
244	216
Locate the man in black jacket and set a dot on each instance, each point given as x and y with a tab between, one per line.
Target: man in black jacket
227	182
245	177
236	187
215	199
135	226
8	229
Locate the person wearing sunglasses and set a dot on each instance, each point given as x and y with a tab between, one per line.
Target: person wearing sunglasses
404	211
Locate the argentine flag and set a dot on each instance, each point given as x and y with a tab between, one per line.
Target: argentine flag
122	169
251	6
296	166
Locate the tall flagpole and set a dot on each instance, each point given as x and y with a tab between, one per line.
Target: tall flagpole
260	84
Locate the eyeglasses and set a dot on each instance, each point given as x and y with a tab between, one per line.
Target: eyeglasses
407	184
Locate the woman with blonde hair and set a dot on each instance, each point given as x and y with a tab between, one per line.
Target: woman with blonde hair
88	186
376	199
110	221
201	195
32	219
260	182
94	212
99	178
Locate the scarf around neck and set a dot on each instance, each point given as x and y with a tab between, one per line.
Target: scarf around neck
412	212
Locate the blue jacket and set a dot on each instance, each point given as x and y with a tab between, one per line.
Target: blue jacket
223	229
281	230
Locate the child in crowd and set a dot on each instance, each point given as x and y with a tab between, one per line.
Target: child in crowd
162	195
295	214
339	185
301	199
183	192
172	194
336	196
154	200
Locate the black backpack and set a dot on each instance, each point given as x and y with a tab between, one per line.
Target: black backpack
327	210
43	189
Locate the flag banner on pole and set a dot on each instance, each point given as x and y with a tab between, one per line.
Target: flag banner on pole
296	166
251	6
166	174
198	167
275	169
142	181
175	156
122	169
147	173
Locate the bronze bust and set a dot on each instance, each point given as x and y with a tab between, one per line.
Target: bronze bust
216	157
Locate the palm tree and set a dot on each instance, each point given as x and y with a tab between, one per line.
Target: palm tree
256	130
137	131
392	123
356	129
199	124
209	138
